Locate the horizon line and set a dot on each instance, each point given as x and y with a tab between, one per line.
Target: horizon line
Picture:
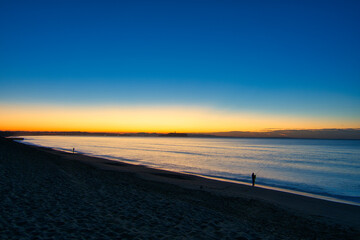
192	132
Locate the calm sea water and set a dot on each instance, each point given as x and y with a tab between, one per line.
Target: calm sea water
323	167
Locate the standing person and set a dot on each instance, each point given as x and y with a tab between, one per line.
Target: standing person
73	150
253	176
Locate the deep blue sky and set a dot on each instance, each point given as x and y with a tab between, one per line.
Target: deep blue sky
282	57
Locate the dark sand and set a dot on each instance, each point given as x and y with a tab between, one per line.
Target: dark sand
47	194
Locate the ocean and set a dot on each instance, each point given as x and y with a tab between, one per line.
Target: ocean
327	168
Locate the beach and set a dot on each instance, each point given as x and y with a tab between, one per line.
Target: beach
48	194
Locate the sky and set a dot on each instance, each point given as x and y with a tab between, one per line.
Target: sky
191	66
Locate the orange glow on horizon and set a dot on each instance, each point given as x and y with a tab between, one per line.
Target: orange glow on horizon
152	119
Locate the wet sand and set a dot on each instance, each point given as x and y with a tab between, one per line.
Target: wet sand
48	194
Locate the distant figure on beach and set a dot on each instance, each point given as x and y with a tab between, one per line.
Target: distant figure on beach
73	150
253	176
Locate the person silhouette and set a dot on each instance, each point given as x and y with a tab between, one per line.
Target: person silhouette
253	176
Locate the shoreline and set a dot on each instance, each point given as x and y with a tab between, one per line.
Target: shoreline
339	211
291	191
50	194
279	189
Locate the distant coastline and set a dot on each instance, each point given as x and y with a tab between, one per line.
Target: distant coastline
343	134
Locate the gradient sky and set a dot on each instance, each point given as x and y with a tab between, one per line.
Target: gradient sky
201	65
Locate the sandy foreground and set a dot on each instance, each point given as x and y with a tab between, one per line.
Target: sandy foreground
47	194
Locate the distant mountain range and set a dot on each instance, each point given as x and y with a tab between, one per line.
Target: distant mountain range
308	133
